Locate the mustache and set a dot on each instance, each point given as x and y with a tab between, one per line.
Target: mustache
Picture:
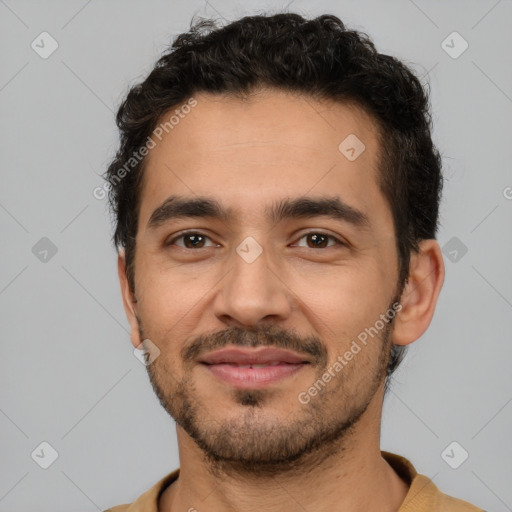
265	336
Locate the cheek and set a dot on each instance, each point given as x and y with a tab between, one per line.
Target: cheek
170	306
165	291
344	296
343	308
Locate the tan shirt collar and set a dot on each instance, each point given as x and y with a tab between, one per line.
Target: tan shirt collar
423	495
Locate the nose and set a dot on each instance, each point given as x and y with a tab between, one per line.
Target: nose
251	292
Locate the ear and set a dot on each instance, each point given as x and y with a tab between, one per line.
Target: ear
419	297
129	301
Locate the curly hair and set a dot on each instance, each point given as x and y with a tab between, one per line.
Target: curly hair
320	58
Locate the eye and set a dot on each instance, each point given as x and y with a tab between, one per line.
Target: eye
191	240
319	240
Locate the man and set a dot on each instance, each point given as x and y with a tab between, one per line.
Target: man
276	196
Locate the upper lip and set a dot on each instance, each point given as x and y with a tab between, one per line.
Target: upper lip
245	356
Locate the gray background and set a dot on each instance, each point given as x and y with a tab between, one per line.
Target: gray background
68	374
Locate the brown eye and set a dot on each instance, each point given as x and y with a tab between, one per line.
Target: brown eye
193	241
190	240
319	240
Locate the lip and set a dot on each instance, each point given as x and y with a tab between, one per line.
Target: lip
260	355
234	366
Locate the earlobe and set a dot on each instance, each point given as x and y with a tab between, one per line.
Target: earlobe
420	294
129	300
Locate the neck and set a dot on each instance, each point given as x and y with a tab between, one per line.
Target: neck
349	474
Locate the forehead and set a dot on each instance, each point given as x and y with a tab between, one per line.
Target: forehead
249	152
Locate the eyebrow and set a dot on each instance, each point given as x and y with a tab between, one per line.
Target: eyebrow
175	207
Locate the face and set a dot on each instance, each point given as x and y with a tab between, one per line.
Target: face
258	233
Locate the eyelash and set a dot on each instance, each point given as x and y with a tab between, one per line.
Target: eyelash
186	233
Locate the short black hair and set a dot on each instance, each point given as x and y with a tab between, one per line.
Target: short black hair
320	58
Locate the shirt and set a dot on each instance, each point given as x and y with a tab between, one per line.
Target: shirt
423	495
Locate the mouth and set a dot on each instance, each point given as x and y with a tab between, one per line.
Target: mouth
253	368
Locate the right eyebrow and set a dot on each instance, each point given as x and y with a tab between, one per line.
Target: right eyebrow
176	207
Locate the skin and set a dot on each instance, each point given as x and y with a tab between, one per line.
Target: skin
265	450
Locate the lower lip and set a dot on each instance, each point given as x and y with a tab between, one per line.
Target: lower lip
253	378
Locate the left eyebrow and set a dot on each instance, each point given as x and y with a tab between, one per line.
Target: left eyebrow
301	207
333	207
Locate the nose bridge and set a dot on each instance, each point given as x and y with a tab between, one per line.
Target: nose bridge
251	291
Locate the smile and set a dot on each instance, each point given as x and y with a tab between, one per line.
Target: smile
253	376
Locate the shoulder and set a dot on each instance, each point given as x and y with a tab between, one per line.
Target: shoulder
423	494
451	504
429	497
148	502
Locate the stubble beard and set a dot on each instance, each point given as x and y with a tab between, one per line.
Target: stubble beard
253	444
